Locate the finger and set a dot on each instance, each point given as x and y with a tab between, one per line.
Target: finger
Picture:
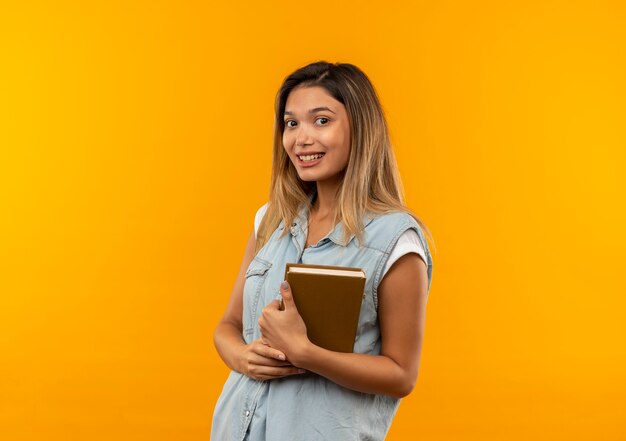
268	352
284	371
273	306
269	309
260	360
285	292
274	353
267	373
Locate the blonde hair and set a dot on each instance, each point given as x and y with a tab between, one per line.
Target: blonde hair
371	182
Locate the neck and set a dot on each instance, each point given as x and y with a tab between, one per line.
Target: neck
325	202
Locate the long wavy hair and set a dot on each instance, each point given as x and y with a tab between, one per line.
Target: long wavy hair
371	181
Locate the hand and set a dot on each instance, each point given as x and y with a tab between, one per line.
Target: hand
284	330
261	362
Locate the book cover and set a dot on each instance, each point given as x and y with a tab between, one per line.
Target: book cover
329	300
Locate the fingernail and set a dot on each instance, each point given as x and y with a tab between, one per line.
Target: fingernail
284	286
280	357
301	371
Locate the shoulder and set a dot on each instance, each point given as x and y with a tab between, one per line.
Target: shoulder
259	216
399	234
396	217
393	224
387	230
409	242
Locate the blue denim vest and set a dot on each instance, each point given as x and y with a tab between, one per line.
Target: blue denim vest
309	407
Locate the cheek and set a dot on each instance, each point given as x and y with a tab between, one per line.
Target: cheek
345	145
287	142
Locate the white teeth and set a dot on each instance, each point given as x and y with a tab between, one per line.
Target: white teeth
310	157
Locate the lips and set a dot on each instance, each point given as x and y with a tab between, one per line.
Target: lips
310	157
309	160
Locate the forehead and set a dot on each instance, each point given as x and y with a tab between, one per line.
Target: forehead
302	98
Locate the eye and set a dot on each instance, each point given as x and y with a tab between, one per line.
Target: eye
323	118
289	121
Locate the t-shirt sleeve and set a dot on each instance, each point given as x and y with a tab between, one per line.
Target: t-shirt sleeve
258	217
407	243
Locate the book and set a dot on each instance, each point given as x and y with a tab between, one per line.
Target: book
329	300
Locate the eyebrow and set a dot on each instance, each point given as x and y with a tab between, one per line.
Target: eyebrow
316	109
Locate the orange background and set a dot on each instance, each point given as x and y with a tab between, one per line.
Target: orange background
135	145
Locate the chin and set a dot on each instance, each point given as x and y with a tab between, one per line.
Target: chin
307	175
307	178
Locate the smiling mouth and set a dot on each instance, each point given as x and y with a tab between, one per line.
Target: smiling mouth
307	158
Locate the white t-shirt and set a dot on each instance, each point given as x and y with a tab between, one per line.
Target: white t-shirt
407	243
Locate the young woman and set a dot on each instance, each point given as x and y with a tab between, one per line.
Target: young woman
335	199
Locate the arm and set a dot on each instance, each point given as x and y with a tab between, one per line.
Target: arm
256	360
401	312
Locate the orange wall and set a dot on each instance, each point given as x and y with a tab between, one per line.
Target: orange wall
135	149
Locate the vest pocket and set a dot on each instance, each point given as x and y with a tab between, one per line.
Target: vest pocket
252	292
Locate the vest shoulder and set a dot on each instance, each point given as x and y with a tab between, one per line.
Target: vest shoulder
390	219
384	229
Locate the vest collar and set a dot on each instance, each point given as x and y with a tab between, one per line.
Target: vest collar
336	235
300	225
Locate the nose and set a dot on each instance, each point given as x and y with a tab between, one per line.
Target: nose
303	136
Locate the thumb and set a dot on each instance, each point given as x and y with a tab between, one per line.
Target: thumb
285	292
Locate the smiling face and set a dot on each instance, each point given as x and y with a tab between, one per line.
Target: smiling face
317	134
